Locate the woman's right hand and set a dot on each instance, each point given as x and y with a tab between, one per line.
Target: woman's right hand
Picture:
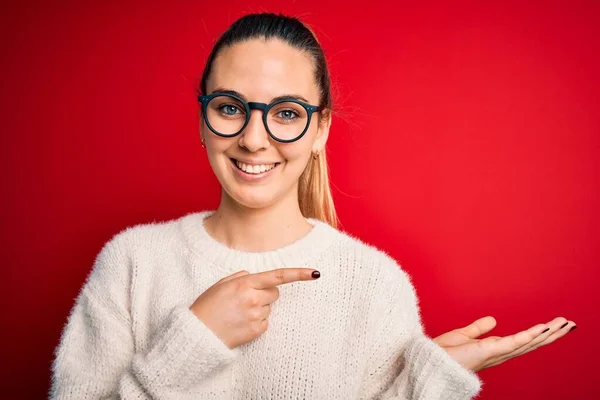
236	308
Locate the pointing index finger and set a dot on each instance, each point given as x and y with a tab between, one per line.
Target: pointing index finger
267	279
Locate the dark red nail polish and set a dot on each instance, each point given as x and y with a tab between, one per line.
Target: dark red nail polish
316	274
573	328
565	324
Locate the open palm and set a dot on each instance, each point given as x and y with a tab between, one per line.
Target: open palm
477	354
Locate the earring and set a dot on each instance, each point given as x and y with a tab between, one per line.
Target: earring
203	143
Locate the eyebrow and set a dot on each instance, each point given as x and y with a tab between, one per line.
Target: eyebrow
283	97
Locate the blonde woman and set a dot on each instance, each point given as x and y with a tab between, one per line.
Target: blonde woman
263	298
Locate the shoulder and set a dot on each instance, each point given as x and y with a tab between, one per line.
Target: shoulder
147	234
382	270
154	236
135	245
378	281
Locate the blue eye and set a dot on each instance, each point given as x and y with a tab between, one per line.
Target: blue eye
228	109
288	115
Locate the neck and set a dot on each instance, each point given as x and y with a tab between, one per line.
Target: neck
257	229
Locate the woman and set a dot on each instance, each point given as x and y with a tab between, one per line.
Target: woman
231	304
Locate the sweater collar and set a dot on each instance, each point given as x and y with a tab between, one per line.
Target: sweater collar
303	252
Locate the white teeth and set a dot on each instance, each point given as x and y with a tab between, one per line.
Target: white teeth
254	169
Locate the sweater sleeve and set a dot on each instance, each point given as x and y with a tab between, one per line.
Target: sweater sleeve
96	357
404	363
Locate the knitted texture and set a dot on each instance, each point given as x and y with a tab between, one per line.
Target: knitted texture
354	333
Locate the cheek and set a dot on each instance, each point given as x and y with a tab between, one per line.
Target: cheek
215	150
299	151
296	156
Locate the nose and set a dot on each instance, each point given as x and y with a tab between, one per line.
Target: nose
254	137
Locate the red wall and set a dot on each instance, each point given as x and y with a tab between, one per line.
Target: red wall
466	144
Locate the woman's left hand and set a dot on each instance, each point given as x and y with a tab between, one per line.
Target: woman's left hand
477	354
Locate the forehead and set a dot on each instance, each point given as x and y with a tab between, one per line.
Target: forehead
263	69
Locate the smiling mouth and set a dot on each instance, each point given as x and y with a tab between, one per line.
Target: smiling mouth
253	169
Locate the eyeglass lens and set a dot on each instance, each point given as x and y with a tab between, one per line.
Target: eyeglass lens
227	116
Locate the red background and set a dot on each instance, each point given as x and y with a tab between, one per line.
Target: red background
465	144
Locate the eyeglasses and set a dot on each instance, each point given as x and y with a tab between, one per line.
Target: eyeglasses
286	120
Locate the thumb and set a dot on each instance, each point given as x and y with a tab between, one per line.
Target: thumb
479	327
236	275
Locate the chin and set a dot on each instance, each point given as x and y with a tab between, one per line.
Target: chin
255	198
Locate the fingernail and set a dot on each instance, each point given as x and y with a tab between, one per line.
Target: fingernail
565	324
546	330
316	274
573	328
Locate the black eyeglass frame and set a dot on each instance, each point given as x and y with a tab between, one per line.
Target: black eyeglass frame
253	105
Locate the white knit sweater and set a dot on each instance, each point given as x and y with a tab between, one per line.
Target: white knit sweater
353	333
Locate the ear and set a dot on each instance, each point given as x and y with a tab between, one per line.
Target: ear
322	131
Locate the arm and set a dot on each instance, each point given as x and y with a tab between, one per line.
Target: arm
96	357
404	363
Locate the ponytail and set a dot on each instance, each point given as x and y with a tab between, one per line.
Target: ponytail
314	192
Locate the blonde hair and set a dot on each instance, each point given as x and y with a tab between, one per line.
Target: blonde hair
314	192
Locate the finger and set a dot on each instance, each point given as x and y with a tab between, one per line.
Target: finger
236	275
269	295
508	344
266	311
263	280
264	324
558	327
552	326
